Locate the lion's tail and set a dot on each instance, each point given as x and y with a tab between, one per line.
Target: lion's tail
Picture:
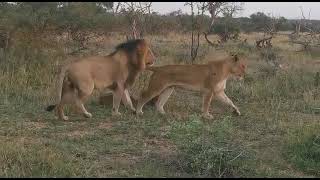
62	79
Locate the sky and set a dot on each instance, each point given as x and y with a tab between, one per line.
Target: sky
289	10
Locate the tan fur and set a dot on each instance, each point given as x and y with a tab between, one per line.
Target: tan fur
116	72
210	79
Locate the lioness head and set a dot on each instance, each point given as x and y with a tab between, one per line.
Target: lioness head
238	66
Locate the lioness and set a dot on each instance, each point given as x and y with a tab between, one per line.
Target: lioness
210	79
116	71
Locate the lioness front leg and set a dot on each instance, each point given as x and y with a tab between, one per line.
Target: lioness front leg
117	95
127	100
224	98
207	97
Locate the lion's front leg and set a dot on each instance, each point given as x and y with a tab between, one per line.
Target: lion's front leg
127	100
117	96
224	98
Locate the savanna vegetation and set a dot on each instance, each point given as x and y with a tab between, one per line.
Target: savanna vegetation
277	135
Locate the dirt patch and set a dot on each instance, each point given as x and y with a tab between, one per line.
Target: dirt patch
162	147
76	134
118	161
29	140
36	125
105	125
180	115
21	140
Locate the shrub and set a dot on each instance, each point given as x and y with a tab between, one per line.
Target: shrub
303	150
206	151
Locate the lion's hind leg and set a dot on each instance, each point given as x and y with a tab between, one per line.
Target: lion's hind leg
117	96
83	94
68	95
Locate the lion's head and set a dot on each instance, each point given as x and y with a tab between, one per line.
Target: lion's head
139	53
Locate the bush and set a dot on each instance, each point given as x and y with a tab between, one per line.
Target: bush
20	161
303	150
206	151
227	28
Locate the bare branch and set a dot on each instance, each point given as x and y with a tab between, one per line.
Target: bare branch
136	14
312	39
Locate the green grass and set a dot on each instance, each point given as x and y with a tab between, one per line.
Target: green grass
276	135
303	150
206	149
28	160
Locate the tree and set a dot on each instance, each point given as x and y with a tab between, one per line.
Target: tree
260	20
106	5
175	13
196	22
226	28
216	9
307	40
136	13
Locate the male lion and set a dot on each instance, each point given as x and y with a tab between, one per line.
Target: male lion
116	71
210	79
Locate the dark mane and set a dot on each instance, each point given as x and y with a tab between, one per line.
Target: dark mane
129	46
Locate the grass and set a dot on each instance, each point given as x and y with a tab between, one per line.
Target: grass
276	136
303	150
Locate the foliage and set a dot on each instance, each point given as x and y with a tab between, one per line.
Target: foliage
303	150
205	151
226	28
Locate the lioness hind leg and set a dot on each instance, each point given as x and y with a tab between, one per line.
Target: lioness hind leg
153	90
207	97
163	98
